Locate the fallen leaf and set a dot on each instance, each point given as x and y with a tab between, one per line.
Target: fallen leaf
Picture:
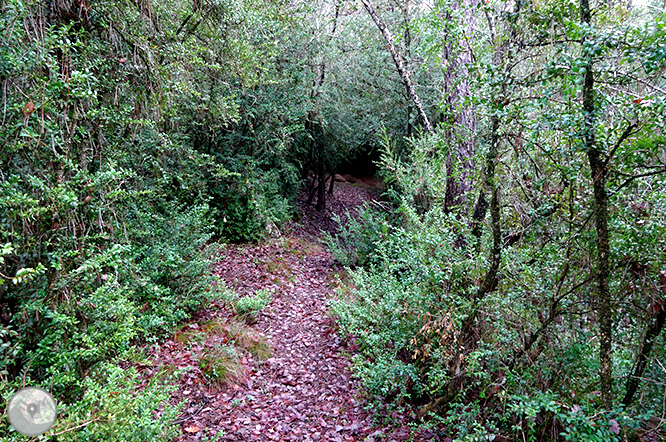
615	427
28	109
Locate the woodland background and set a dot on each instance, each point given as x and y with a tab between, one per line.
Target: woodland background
512	282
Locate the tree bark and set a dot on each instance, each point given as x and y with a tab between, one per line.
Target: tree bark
467	337
659	309
490	280
598	171
330	187
316	90
317	130
642	359
314	127
462	121
405	75
407	38
321	193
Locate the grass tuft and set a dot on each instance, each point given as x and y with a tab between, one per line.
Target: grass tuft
241	336
221	365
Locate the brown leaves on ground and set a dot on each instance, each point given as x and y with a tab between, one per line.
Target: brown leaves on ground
304	391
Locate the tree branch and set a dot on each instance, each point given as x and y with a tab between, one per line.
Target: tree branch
399	64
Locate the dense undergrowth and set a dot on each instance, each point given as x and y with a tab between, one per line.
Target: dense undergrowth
515	290
511	286
522	362
124	151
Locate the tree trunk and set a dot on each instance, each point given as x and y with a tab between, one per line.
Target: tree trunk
407	38
312	189
642	359
490	280
598	171
462	121
467	337
321	187
317	130
316	90
330	187
405	75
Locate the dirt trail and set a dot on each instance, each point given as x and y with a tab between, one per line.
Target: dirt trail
304	391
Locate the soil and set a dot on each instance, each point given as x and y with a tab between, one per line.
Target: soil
305	390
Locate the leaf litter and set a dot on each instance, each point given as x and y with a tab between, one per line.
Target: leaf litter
304	389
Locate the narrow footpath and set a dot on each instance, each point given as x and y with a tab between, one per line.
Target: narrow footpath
304	391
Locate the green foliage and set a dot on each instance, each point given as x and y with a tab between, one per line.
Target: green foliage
576	422
407	308
116	406
132	133
119	163
24	274
117	295
252	304
521	361
355	242
172	275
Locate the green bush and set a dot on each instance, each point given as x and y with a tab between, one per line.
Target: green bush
408	306
406	309
252	197
358	236
119	409
251	305
91	304
171	277
117	406
120	160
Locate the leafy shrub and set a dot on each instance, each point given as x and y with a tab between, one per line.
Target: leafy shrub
248	200
116	406
405	311
172	266
524	375
113	297
114	176
358	236
251	305
239	219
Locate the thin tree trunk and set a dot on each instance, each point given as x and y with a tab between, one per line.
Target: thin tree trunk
490	281
317	129
321	194
312	190
316	90
407	38
642	359
468	340
598	170
405	75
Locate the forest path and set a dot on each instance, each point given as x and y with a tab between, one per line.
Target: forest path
304	391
